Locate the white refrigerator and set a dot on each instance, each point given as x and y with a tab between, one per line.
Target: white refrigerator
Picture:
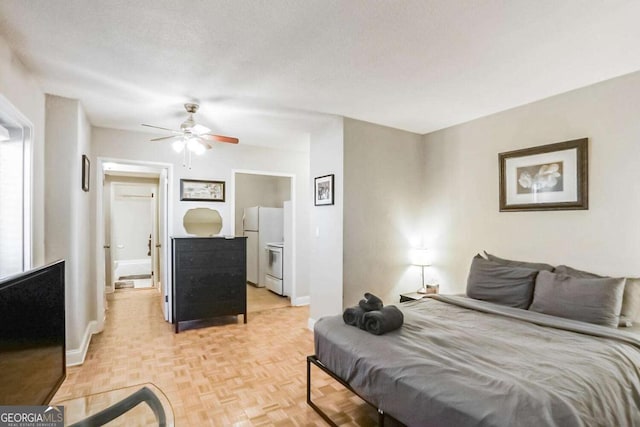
260	226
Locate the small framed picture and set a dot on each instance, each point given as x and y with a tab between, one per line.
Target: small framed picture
324	190
86	173
196	190
545	178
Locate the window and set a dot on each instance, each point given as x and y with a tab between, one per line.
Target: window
15	194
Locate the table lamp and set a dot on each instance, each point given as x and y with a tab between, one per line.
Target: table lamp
420	257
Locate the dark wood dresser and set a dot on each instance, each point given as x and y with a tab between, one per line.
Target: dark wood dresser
209	278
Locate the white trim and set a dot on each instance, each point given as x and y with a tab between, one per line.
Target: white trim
10	112
301	301
311	323
100	276
76	356
27	139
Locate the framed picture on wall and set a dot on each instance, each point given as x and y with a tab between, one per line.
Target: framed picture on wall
545	178
197	190
324	190
86	173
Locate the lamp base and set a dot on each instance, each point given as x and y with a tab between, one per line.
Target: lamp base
422	290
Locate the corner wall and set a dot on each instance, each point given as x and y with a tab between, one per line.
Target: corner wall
327	157
68	218
461	186
383	181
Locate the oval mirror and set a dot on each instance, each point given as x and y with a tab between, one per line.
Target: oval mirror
202	222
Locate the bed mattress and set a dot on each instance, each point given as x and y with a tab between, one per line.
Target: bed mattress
462	362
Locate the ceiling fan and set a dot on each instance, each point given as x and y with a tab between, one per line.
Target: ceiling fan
192	137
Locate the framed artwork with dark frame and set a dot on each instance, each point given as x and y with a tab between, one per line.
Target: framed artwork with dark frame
197	190
86	173
545	178
323	194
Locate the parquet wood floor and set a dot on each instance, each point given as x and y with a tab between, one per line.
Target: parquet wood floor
230	374
260	299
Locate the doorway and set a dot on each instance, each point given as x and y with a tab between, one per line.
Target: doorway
262	199
134	221
131	232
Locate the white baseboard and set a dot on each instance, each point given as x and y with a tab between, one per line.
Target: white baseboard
310	323
301	301
76	356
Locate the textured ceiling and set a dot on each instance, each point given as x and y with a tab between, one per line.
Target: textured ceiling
263	70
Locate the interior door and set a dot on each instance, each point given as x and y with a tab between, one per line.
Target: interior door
153	240
161	245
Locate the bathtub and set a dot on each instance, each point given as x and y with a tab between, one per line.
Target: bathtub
131	267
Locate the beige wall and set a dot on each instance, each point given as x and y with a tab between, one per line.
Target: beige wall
461	186
259	190
383	184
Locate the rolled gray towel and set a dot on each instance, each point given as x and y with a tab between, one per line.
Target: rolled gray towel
353	315
370	302
379	322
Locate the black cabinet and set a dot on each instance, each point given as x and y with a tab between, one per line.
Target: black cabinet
209	278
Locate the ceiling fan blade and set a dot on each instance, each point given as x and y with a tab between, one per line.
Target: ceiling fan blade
220	138
165	137
177	132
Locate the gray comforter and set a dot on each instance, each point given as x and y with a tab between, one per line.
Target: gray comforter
461	362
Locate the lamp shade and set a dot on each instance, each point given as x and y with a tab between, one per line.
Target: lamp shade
421	257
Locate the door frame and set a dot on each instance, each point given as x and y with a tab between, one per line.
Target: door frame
131	166
292	192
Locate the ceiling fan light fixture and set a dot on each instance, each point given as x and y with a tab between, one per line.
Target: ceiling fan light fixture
178	145
195	146
192	138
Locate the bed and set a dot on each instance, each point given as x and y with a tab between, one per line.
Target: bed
459	361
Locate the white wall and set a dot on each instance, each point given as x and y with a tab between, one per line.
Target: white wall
327	157
22	90
259	190
383	182
132	219
461	186
68	218
217	164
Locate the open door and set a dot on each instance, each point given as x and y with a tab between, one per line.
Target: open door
162	245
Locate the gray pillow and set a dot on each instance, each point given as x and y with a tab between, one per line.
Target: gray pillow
625	322
534	265
595	301
630	300
500	284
